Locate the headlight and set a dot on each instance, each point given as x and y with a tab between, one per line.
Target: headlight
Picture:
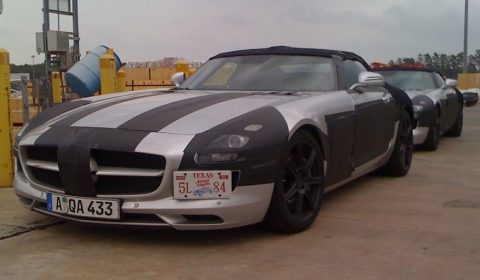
224	141
229	141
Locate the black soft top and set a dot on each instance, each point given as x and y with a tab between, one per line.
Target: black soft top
284	50
399	95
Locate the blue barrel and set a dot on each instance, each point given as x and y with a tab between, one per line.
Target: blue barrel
84	77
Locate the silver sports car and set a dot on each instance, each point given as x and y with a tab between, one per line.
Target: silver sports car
437	104
253	137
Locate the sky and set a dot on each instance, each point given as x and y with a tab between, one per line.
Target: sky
147	30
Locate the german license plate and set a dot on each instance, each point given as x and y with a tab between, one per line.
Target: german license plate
202	184
84	207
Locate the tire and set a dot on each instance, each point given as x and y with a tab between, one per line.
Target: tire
401	158
457	128
298	191
433	137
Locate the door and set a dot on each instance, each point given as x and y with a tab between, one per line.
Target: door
375	112
450	103
375	116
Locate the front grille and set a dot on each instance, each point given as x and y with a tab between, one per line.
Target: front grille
128	160
19	165
42	153
207	219
126	184
142	218
104	184
47	177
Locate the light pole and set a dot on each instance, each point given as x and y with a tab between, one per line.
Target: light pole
465	39
33	67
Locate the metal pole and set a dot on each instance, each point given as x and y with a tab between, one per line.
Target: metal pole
48	56
25	101
33	67
465	39
46	27
76	35
58	15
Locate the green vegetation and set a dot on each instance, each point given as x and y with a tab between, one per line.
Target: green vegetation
27	68
449	65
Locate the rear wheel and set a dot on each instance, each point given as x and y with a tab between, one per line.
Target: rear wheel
298	191
401	158
433	137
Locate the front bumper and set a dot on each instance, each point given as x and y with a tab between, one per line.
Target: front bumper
247	205
145	207
420	134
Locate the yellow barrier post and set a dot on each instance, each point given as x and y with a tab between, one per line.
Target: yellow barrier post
182	66
108	76
6	135
121	81
56	88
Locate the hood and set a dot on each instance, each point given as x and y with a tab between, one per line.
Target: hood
175	112
414	93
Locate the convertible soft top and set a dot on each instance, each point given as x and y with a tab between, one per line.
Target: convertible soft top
398	94
285	50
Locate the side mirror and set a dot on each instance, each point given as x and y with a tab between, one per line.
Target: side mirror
451	83
178	78
369	79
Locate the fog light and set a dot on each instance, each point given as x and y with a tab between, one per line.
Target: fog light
203	158
223	157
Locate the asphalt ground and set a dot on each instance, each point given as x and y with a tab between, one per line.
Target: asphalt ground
425	225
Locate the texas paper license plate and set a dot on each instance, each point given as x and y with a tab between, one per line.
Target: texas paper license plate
84	207
202	184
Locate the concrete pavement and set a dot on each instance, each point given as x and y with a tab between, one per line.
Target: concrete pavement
425	225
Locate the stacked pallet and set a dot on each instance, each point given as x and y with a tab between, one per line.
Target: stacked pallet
153	74
16	106
16	110
138	76
147	78
467	81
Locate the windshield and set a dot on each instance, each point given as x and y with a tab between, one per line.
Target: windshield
409	80
264	73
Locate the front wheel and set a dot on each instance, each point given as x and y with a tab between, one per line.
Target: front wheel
401	158
298	191
433	136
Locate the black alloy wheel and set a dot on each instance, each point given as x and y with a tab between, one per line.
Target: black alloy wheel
401	158
298	190
406	143
433	136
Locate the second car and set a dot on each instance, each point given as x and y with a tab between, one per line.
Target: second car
437	103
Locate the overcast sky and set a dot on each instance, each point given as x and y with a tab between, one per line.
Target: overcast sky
145	30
